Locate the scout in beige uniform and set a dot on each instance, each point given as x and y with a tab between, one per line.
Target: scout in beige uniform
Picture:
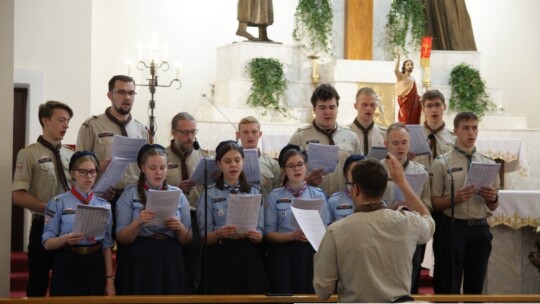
249	132
440	139
325	130
363	125
96	133
184	130
398	144
41	173
472	236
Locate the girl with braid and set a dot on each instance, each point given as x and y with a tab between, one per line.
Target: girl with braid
151	260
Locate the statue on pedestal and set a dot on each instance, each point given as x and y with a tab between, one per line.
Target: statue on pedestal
257	13
407	93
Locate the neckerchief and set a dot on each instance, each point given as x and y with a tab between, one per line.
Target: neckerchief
232	189
298	192
469	156
78	195
146	187
183	160
366	132
369	207
433	139
328	133
61	175
121	124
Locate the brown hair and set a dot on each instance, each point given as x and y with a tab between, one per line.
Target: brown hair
46	109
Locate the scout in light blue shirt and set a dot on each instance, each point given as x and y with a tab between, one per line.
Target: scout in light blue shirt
60	215
340	203
129	206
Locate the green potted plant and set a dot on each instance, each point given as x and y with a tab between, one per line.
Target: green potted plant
405	15
468	91
268	84
315	18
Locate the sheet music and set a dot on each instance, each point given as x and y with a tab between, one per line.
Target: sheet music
91	221
305	204
481	174
312	225
198	174
377	152
416	180
164	203
243	211
251	166
419	144
127	147
112	175
322	156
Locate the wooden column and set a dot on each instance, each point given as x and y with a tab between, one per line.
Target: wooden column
359	29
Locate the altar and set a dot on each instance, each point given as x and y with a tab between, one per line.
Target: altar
514	235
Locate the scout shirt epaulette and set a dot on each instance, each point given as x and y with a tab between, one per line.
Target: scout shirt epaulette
85	123
304	127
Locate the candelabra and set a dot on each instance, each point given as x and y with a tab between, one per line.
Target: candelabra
154	64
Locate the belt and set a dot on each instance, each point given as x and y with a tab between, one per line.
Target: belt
84	249
472	222
159	236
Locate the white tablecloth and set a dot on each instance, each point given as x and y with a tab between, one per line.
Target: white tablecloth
511	150
517	209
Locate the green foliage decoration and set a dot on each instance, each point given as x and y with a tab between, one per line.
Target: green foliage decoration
468	91
405	14
268	84
316	17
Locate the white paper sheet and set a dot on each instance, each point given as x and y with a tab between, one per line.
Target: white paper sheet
198	174
377	152
127	147
322	156
164	203
112	175
243	211
416	180
481	174
418	144
305	204
311	224
251	166
91	221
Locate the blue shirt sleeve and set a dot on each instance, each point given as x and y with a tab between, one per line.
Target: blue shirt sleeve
53	214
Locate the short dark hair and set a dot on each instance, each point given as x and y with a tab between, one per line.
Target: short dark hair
432	94
464	116
46	109
122	78
324	92
370	176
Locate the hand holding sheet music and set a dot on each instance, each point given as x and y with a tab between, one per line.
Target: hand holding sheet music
482	175
243	212
323	156
164	205
91	221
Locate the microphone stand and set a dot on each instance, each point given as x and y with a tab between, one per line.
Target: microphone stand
205	251
453	225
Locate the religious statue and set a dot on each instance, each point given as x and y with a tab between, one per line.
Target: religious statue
407	94
449	23
257	13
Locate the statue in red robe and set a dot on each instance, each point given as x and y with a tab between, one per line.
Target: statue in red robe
407	94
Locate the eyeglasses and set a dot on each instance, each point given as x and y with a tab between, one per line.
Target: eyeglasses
85	172
125	93
348	186
187	132
293	166
434	105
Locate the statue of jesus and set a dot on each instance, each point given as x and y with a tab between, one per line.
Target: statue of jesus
407	94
